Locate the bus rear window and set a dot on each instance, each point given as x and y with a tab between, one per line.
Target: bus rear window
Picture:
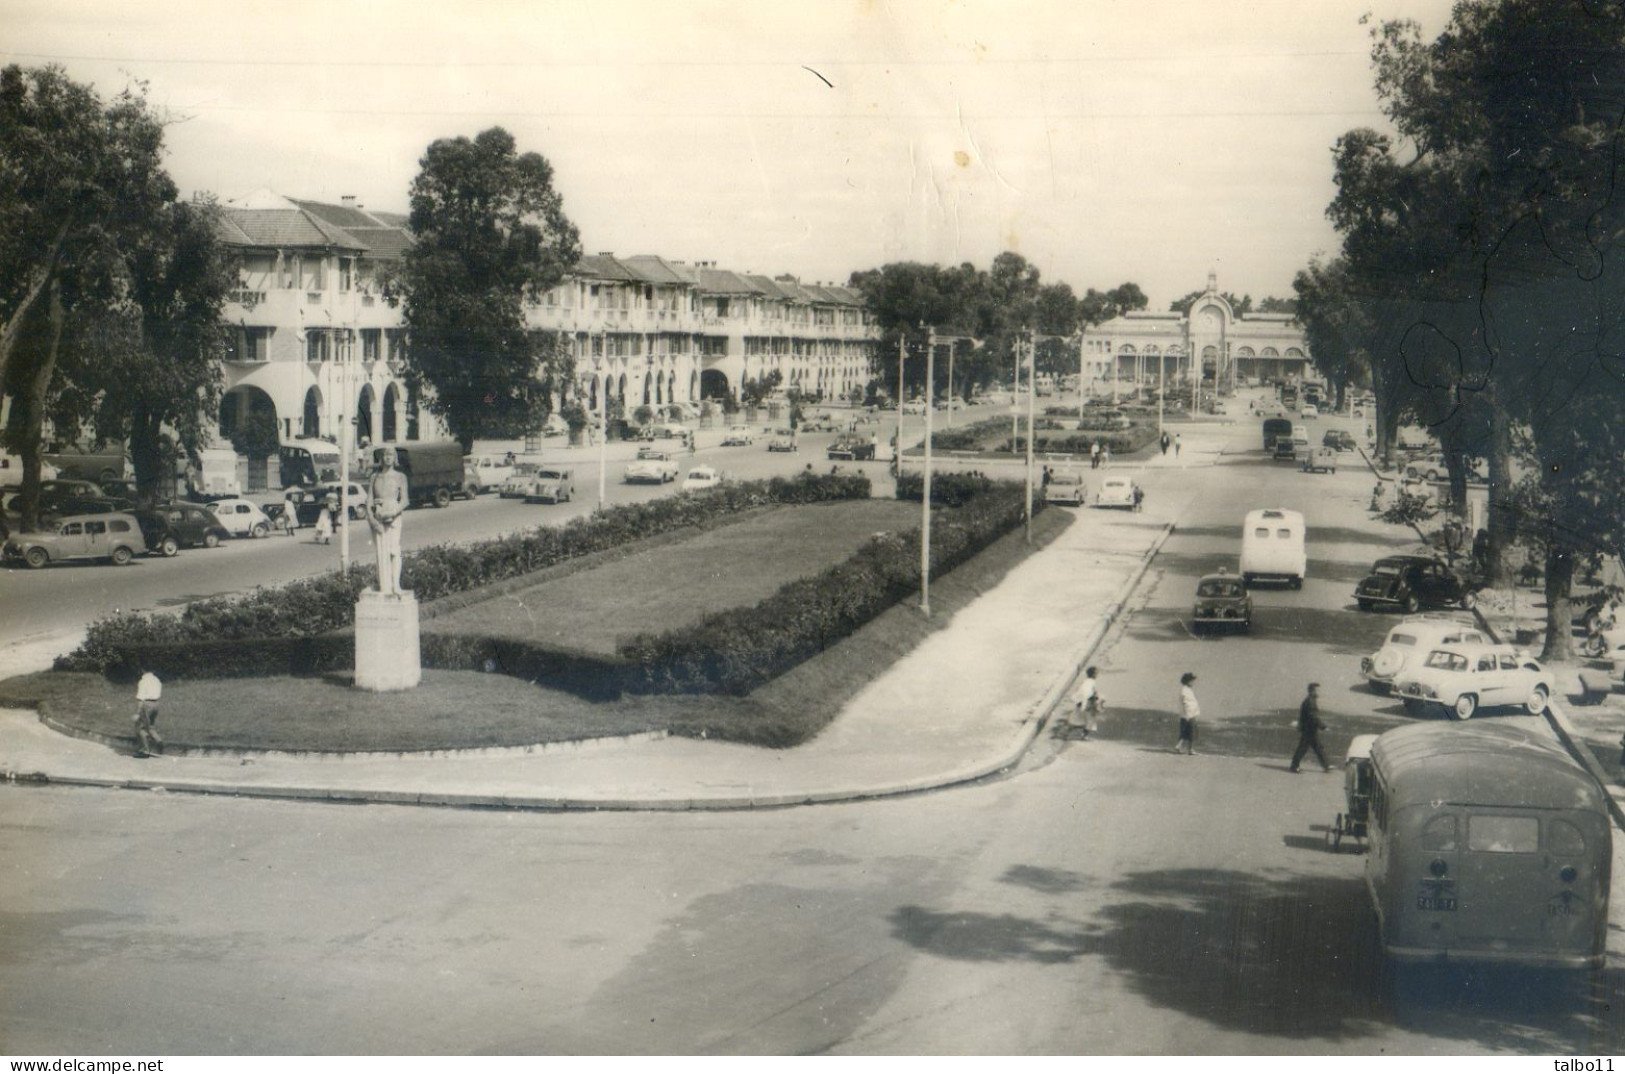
1503	835
1262	531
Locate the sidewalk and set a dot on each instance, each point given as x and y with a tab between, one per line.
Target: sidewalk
964	705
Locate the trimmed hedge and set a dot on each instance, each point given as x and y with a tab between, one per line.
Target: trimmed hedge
1121	441
317	606
947	488
736	651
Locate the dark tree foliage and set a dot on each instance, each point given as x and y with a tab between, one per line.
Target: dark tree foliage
489	232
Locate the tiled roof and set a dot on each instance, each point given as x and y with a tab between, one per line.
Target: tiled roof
344	216
384	243
652	268
717	281
390	219
289	227
604	267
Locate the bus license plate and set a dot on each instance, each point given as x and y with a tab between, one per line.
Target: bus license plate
1437	895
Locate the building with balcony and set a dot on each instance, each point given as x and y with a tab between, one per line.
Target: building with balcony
1210	342
314	342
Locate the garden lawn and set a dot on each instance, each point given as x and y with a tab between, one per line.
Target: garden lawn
679	582
464	709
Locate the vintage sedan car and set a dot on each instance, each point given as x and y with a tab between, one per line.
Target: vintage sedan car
1410	640
242	518
1066	486
54	494
702	477
737	438
517	486
1431	466
1318	460
852	448
551	484
1412	583
782	440
657	469
1222	601
1338	440
1463	678
482	473
317	497
649	451
1116	492
191	525
1309	410
113	537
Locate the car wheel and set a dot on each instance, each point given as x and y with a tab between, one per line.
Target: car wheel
1469	601
471	491
108	475
1412	603
169	547
211	540
121	556
1296	583
1537	700
36	557
260	530
1465	706
442	496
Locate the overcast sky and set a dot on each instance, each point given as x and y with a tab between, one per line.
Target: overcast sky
1151	141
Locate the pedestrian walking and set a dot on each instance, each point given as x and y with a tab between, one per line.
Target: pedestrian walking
1139	497
1164	442
148	692
324	525
1189	710
1106	454
1176	445
290	510
1086	707
1310	726
1094	455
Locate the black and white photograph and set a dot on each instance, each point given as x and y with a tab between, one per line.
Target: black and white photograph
866	528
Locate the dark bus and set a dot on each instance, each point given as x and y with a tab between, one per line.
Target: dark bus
1489	843
308	461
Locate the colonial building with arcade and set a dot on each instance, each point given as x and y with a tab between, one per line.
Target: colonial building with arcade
1210	342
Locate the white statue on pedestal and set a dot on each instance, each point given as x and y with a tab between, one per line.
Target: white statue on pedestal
385	506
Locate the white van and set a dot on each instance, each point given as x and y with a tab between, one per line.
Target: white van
1272	546
215	476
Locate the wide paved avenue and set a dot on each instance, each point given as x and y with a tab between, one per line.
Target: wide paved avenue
1106	896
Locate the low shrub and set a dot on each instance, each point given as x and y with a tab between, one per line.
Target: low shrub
973	437
948	489
1121	441
316	606
736	651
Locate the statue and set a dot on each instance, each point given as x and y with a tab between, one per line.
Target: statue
385	504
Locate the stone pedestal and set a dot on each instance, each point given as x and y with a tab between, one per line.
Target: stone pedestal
386	642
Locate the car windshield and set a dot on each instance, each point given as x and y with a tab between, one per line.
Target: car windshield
1221	588
1407	640
549	475
524	468
1446	660
699	475
1388	567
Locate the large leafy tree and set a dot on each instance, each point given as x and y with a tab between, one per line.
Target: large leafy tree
489	231
84	205
1493	242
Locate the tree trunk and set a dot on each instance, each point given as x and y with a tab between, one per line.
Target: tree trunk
43	279
146	454
1501	523
34	397
1559	614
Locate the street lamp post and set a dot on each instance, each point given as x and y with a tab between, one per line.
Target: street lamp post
346	446
925	497
952	343
1032	396
897	445
603	428
1080	376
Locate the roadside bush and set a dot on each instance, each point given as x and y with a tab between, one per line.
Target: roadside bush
948	489
316	606
736	651
1121	441
973	437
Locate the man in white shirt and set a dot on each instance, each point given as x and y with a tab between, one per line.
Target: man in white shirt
148	691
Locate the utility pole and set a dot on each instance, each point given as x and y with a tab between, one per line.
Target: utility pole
1032	396
925	498
346	448
1162	389
603	430
952	343
897	450
1015	388
1080	375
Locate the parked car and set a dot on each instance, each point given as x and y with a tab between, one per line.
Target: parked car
914	407
1413	582
851	447
1433	467
1338	440
357	501
1463	678
649	451
55	493
1285	449
517	485
1067	486
782	440
482	473
160	537
89	463
737	438
1116	492
551	484
93	505
113	537
1309	410
242	518
192	525
1221	601
701	477
1411	640
657	469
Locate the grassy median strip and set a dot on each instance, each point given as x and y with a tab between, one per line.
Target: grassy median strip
465	710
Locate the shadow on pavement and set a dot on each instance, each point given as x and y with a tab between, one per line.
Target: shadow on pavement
1292	957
